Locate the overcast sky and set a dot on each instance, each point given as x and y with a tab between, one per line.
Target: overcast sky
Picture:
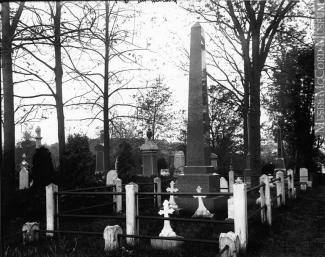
166	27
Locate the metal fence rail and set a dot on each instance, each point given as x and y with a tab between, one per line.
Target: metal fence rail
91	188
122	217
186	194
88	193
87	208
192	240
186	219
255	187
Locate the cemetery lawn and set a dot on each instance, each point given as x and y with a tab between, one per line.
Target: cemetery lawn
298	229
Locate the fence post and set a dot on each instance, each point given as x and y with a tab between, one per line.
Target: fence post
278	189
157	189
117	199
231	180
262	200
268	200
240	213
290	183
51	207
131	211
280	174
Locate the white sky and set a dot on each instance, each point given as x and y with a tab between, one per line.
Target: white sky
166	26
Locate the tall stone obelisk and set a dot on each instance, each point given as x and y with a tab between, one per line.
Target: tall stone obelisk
197	149
198	169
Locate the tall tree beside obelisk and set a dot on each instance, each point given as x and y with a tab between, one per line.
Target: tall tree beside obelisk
197	151
198	170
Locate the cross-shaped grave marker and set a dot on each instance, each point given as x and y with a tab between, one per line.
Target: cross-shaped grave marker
201	211
239	180
167	230
172	189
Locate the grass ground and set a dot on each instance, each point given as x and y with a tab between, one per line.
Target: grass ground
298	229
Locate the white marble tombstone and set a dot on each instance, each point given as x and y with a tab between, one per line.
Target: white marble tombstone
303	178
303	175
23	174
223	185
230	203
179	160
111	175
23	178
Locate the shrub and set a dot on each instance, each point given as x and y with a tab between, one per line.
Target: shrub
78	163
42	172
126	166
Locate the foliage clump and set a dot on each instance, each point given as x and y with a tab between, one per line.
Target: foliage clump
126	165
42	172
78	163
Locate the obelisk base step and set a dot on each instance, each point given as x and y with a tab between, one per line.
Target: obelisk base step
189	182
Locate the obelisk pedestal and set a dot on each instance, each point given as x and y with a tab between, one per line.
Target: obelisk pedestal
198	170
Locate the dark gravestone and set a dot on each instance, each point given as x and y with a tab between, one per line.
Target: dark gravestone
198	170
99	158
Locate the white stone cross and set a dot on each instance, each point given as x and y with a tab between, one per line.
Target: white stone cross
201	211
167	230
239	180
172	189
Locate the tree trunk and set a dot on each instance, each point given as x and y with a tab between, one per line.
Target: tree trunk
8	119
58	81
254	107
245	115
106	85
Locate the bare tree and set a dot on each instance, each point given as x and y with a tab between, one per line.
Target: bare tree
113	44
249	28
9	26
35	37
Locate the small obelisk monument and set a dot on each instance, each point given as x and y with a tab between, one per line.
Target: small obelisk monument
198	170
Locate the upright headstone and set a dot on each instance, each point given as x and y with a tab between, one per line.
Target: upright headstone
198	169
149	152
99	158
303	178
111	175
303	175
179	161
231	179
223	185
38	137
23	174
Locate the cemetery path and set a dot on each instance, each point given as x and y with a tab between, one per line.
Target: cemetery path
298	229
